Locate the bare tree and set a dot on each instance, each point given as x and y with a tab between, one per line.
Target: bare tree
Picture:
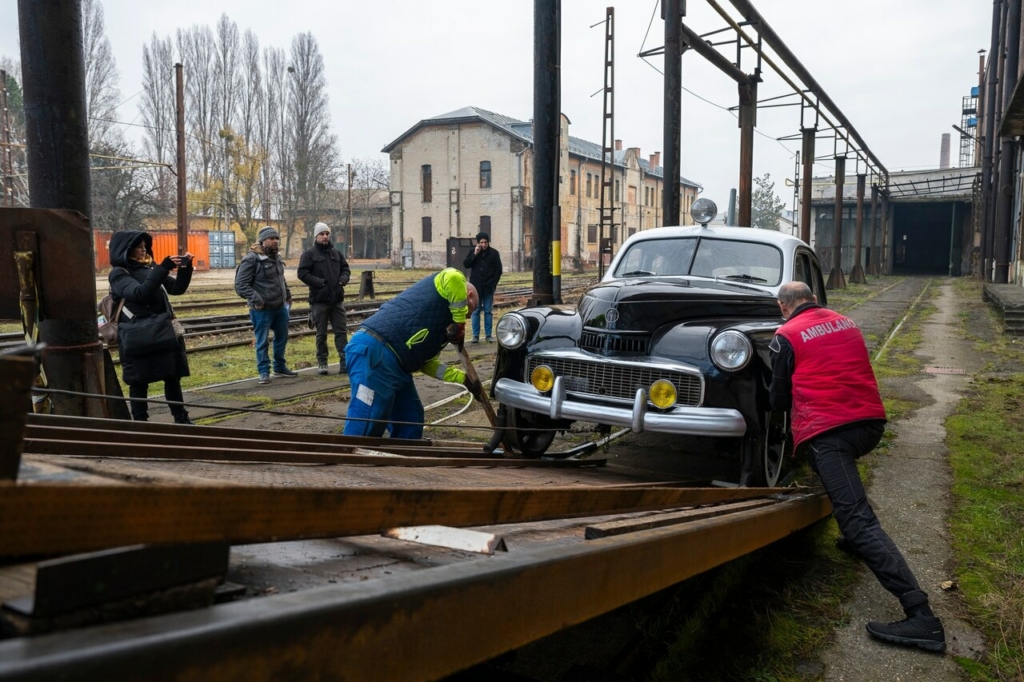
16	121
268	127
228	84
198	51
371	205
315	154
157	106
101	92
122	192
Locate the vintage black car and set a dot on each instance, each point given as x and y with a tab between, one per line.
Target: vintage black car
674	339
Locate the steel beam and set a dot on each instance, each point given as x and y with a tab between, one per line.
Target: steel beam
425	625
857	274
747	121
58	519
836	280
672	112
807	156
873	268
1003	232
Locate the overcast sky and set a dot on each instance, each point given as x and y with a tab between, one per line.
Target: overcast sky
897	69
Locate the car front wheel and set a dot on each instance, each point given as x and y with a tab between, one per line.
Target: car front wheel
532	434
768	456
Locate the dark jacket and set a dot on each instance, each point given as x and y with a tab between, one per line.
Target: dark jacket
325	271
144	288
259	279
485	270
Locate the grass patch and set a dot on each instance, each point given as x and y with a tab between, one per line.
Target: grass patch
984	436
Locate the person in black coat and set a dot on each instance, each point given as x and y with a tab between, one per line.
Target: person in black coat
144	287
484	266
325	271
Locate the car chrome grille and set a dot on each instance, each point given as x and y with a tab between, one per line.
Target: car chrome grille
610	380
597	342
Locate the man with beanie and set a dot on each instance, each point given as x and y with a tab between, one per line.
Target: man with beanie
405	336
325	271
259	279
822	374
484	265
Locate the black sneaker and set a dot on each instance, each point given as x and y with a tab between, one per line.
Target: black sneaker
322	369
285	372
183	419
921	631
264	379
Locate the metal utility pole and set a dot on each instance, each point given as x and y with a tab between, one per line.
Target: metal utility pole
547	23
1001	237
57	147
181	200
607	210
5	136
807	154
988	195
748	119
671	12
836	280
351	248
857	274
873	257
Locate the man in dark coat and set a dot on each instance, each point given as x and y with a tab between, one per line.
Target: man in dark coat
325	271
484	264
143	287
259	279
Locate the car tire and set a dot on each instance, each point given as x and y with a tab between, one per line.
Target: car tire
523	426
767	457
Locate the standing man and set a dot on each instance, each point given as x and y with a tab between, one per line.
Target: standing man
821	372
485	271
259	279
405	336
325	271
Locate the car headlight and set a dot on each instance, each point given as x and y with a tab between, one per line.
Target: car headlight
542	378
731	350
663	394
511	331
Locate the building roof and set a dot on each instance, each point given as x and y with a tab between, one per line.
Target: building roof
523	131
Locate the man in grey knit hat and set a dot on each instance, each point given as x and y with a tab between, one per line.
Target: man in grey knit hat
259	279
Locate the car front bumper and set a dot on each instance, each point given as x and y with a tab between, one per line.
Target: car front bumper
693	421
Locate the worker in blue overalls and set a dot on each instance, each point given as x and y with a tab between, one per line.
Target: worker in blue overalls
405	336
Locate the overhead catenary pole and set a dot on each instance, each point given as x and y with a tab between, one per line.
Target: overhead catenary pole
857	274
1002	234
349	230
606	217
57	148
182	188
835	275
672	121
807	155
546	126
747	121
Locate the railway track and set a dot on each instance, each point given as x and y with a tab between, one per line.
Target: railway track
512	556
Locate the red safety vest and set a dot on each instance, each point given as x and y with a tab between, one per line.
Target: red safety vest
832	379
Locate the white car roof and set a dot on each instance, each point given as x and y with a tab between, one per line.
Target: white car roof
752	234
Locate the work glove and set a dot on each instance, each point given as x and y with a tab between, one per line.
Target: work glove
456	333
168	264
474	387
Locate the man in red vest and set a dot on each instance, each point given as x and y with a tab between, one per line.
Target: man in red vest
821	373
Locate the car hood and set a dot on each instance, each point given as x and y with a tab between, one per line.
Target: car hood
642	305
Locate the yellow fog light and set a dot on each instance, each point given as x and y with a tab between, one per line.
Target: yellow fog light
542	378
663	394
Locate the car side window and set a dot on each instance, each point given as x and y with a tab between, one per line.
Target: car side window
818	284
801	269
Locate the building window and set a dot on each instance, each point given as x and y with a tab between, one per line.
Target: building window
618	191
427	178
485	175
572	182
591	234
632	195
632	231
427	228
485	224
590	180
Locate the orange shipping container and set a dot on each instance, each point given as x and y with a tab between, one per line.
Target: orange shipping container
164	244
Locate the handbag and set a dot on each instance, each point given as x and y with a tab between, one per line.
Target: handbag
108	330
147	336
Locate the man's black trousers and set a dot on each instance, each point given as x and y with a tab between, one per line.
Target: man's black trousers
833	456
324	314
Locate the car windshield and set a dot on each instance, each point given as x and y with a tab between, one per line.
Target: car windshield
704	257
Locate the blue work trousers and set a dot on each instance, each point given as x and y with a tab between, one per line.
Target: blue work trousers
381	391
486	303
263	322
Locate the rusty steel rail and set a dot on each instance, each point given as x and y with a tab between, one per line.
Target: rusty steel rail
422	625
